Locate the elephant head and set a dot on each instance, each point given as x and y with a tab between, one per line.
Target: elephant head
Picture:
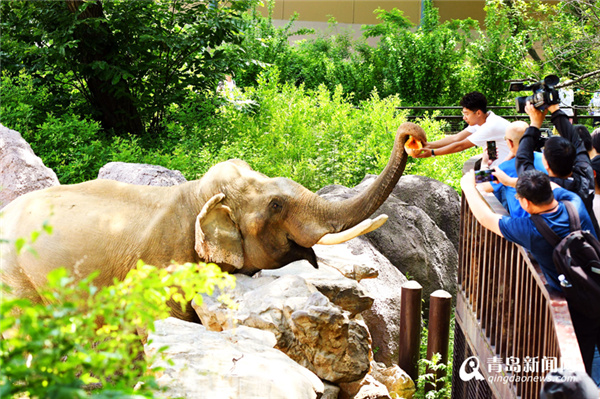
253	222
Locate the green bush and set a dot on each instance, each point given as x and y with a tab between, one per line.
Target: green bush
319	138
69	146
313	137
498	52
426	66
83	341
24	104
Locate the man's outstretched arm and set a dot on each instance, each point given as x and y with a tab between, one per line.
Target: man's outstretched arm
482	212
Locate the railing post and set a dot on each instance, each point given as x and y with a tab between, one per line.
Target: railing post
438	337
410	328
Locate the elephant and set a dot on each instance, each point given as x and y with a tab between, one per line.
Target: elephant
233	216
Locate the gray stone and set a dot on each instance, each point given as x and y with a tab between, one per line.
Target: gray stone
238	363
343	292
383	318
308	327
331	391
411	240
438	200
21	170
367	388
141	174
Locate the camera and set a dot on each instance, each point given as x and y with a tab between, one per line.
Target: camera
484	175
544	93
491	150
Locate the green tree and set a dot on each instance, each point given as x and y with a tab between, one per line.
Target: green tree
531	39
426	66
130	59
501	49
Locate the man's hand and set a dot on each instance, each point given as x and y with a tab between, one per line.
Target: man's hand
467	182
536	116
425	153
553	108
485	159
503	178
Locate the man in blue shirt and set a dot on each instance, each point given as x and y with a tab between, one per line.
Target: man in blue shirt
504	187
537	195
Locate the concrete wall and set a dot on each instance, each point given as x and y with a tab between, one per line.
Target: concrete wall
358	12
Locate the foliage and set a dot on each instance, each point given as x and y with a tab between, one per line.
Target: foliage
428	368
426	66
532	39
324	58
568	35
143	55
266	45
83	338
313	137
70	147
431	378
23	106
498	53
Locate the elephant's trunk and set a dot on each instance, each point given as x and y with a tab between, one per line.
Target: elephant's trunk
342	215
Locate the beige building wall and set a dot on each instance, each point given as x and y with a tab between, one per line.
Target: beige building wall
360	12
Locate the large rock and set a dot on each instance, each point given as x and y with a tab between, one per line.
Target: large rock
309	328
21	170
383	317
381	383
141	174
438	200
239	363
411	240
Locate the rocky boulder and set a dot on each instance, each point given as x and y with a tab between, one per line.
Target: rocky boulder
381	281
381	383
238	363
438	200
411	241
141	174
311	329
22	170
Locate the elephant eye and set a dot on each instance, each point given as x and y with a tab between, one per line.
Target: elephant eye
275	205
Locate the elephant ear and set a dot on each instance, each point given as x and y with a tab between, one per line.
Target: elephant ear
218	237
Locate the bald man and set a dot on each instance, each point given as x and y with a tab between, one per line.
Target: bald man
506	172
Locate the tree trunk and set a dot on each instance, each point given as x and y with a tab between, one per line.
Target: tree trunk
97	43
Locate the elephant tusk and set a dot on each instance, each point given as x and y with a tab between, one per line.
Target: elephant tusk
363	227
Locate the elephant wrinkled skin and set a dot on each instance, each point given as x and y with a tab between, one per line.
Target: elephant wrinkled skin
233	216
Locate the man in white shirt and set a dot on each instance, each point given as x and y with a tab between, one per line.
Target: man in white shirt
595	108
566	97
483	126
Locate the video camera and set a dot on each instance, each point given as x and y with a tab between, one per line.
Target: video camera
544	93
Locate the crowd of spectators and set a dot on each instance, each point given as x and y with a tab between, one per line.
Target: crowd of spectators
533	175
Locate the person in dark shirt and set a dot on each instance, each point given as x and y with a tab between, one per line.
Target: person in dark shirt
565	157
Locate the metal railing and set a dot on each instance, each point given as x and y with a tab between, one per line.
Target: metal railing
504	312
579	114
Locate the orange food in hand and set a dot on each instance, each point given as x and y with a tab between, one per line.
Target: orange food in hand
413	146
